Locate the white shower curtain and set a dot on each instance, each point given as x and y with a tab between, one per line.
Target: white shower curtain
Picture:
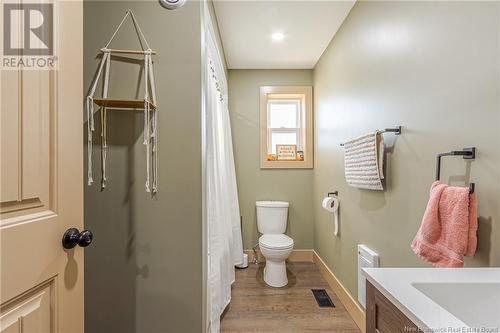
225	247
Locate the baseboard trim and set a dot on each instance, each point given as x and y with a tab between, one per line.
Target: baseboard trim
355	310
299	255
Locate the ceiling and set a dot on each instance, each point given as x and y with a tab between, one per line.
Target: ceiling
308	26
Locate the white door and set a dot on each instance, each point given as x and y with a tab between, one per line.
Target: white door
41	286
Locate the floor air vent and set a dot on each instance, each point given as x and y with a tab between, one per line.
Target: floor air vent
322	298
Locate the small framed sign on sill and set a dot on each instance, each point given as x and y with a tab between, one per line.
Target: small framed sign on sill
286	127
286	152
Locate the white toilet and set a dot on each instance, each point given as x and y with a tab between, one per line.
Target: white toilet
274	245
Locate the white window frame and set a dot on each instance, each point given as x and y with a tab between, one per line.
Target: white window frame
302	95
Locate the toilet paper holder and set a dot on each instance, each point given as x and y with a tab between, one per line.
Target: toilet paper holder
331	204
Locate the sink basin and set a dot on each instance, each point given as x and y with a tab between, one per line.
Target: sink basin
475	304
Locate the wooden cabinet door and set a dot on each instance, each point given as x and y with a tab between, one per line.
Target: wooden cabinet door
384	317
41	284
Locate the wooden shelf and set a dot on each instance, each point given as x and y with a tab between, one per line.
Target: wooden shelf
122	104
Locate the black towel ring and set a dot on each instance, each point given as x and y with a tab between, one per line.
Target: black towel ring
466	153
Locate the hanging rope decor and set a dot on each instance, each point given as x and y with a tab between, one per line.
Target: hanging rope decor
148	104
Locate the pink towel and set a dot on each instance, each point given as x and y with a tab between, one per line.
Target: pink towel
449	227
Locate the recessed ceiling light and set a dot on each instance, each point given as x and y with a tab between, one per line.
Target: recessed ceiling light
278	36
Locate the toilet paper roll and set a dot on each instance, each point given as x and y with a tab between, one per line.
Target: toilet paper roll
331	204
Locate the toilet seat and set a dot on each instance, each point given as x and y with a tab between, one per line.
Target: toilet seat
276	241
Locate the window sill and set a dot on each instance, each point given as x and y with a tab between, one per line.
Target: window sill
286	164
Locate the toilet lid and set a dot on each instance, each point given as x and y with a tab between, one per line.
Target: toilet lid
276	241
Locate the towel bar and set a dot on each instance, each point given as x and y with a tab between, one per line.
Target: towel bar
396	130
466	153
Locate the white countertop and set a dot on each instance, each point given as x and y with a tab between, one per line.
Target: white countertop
399	285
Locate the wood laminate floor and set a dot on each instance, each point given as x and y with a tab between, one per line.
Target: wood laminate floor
256	307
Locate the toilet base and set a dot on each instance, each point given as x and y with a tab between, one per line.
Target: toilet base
275	273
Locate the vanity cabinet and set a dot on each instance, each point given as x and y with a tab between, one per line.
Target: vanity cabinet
384	317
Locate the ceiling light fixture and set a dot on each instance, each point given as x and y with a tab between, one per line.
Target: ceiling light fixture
172	4
278	36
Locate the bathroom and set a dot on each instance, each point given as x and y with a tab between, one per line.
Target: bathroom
176	218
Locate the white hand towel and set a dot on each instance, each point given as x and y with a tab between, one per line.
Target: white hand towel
363	159
380	154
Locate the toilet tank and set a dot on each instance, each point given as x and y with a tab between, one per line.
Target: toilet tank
272	216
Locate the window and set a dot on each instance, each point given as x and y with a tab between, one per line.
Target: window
283	123
286	127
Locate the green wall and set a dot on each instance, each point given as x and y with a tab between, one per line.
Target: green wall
294	186
432	67
144	270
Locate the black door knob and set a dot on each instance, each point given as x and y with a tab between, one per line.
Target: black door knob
72	237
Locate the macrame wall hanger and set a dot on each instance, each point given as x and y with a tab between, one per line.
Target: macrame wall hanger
148	104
